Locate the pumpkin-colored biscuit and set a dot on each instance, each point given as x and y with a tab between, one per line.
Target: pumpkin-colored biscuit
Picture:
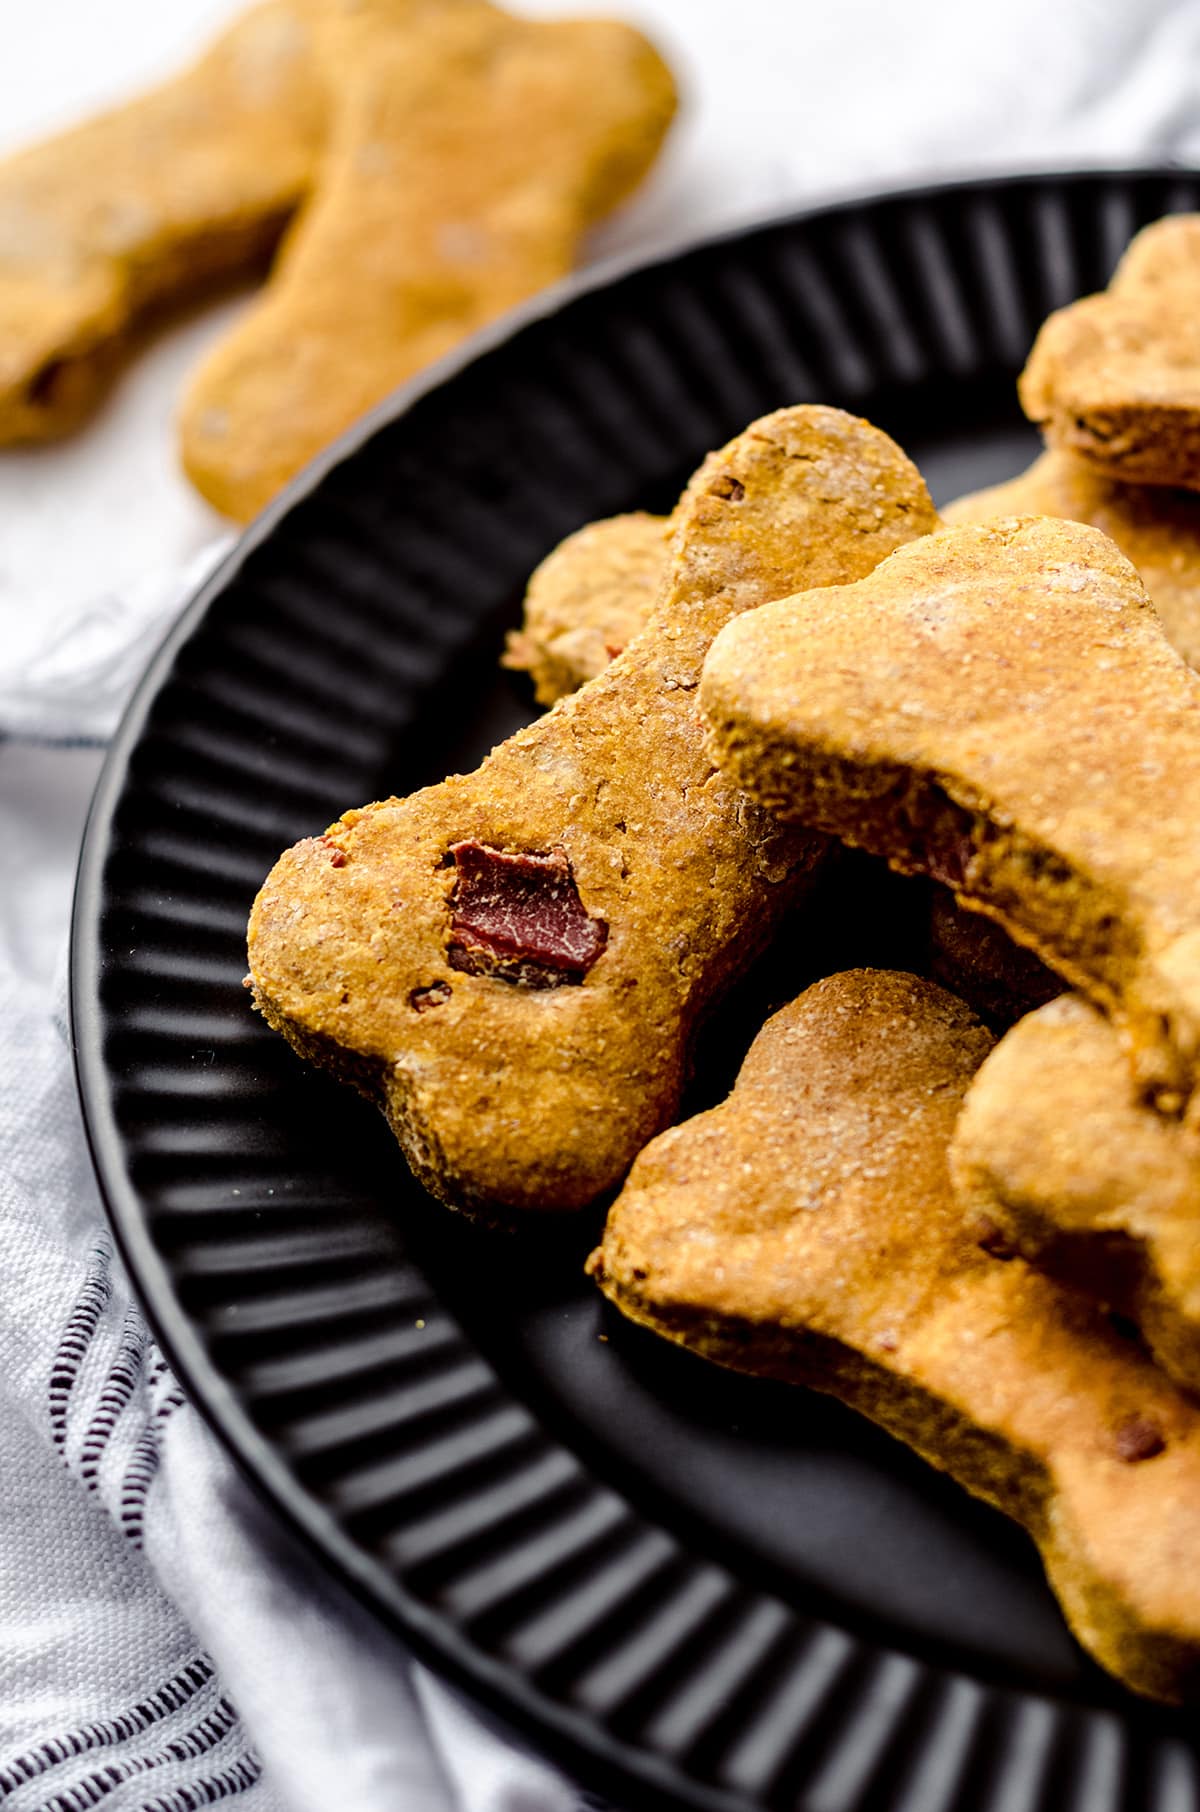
806	1230
468	153
976	959
998	707
586	602
1115	378
191	181
513	962
1090	1184
1158	529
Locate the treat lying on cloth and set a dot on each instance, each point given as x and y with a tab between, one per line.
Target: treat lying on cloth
189	182
998	707
805	1230
1158	529
513	962
1089	1183
1116	377
468	153
586	602
976	959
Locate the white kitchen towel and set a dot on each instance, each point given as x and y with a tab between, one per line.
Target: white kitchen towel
162	1644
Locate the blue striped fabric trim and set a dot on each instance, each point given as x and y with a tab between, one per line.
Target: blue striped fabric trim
119	1386
135	1362
95	1788
143	1465
234	1779
143	1462
135	1486
107	1731
78	1335
31	739
129	1367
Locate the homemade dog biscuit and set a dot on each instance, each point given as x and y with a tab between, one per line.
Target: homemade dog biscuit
998	707
586	602
513	962
1086	1181
806	1230
469	150
1115	378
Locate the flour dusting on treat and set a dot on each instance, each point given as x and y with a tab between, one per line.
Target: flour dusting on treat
1089	1183
1115	378
1156	527
514	962
806	1230
998	707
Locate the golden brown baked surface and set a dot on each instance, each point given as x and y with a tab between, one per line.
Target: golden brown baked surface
1115	378
513	962
998	707
1157	528
468	152
1089	1183
806	1230
587	601
191	181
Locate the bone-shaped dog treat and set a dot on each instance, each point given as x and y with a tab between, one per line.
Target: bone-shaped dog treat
590	596
806	1230
513	962
1000	709
1087	1182
1116	377
586	602
189	182
466	159
1158	529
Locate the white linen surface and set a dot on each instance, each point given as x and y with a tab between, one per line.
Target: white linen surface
163	1644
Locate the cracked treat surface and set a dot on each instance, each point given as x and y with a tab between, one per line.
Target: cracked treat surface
998	707
1115	378
975	958
509	1097
1155	527
806	1230
1089	1183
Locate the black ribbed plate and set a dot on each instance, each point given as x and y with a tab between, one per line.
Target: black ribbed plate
686	1583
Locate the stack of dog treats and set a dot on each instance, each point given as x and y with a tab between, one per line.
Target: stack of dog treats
990	1245
438	161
